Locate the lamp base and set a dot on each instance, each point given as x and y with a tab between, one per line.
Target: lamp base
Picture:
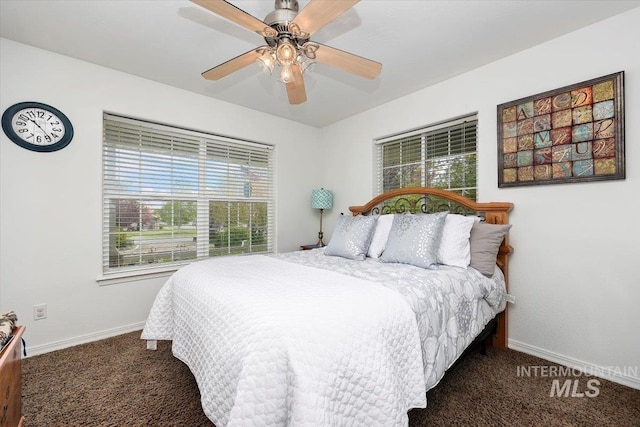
320	243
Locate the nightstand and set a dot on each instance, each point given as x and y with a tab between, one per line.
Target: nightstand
309	247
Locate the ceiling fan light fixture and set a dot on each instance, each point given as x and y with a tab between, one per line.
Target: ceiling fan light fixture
286	74
310	49
287	36
267	60
286	53
297	33
304	62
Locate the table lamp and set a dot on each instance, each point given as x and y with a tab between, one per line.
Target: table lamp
321	199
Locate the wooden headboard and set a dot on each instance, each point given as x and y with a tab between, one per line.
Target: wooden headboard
429	200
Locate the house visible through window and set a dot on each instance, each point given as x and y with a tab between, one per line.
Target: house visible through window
441	156
173	195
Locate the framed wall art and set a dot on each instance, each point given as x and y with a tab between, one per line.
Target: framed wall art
571	134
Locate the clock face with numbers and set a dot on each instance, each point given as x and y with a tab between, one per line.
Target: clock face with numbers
37	127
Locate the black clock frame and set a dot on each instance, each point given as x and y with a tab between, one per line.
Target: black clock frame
8	114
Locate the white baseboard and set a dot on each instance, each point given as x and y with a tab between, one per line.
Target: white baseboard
616	374
82	339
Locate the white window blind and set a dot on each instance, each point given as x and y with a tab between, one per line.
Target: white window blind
173	195
440	156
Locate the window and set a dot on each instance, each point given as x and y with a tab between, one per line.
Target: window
440	156
172	195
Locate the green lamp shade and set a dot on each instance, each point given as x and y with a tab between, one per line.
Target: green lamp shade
321	199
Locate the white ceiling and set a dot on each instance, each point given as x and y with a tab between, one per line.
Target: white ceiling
419	43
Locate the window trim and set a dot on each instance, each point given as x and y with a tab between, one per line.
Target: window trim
134	275
428	128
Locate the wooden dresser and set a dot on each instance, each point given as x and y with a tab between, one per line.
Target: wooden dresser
11	381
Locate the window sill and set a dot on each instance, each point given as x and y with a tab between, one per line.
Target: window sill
130	276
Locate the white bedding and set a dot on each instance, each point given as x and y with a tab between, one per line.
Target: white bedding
452	305
308	339
275	343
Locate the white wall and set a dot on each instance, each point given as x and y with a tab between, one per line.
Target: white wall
51	203
574	270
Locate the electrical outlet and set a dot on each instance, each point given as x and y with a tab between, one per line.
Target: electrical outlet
39	311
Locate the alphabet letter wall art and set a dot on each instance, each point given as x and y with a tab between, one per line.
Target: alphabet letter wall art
571	134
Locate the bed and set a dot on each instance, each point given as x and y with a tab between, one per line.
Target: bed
354	333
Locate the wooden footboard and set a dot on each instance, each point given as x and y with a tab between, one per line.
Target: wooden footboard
430	200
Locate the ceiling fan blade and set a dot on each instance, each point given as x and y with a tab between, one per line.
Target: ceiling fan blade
318	13
348	62
235	64
295	89
232	13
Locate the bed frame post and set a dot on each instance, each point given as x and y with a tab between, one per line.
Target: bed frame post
500	338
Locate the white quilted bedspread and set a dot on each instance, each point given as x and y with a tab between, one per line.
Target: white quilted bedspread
277	343
451	304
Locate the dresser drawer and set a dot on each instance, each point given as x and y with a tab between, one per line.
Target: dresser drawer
11	381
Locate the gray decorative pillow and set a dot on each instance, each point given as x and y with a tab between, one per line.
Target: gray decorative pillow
485	243
351	237
415	239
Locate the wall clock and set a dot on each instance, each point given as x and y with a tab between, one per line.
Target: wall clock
37	126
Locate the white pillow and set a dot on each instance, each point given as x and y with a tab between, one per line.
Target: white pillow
455	249
380	236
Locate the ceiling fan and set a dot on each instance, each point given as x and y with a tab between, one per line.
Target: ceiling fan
287	34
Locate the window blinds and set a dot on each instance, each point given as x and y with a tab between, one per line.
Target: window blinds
440	156
173	195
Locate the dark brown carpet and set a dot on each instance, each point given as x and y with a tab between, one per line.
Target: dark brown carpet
117	382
